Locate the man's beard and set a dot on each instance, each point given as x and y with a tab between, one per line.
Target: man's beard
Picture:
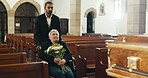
49	13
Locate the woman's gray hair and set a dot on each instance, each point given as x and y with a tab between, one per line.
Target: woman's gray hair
53	30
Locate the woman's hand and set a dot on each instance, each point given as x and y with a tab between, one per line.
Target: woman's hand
61	62
56	60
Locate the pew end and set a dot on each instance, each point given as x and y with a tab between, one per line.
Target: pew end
101	62
81	67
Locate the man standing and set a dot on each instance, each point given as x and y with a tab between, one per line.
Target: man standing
44	23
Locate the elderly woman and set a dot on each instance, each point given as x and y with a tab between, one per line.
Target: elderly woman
54	63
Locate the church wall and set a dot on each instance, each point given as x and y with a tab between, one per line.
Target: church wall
106	23
122	27
62	8
109	23
86	5
102	23
12	3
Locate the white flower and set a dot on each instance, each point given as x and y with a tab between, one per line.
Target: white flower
56	48
61	47
57	52
48	49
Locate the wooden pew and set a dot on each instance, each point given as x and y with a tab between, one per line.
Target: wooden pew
3	45
87	51
19	40
92	34
101	62
82	38
72	41
31	48
9	40
23	42
10	58
72	47
133	38
7	50
20	43
97	35
119	65
81	67
24	70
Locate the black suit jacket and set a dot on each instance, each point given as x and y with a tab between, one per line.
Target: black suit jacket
42	29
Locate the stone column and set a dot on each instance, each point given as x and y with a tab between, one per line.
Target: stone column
75	8
136	16
11	21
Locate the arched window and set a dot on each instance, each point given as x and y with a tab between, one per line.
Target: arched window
3	22
25	18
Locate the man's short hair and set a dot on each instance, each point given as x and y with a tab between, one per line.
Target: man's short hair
48	2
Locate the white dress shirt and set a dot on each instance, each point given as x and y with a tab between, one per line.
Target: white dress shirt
48	20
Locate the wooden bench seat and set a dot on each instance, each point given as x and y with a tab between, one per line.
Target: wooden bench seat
10	58
72	47
7	50
24	70
3	45
82	38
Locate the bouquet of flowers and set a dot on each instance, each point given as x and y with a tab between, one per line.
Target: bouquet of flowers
57	51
